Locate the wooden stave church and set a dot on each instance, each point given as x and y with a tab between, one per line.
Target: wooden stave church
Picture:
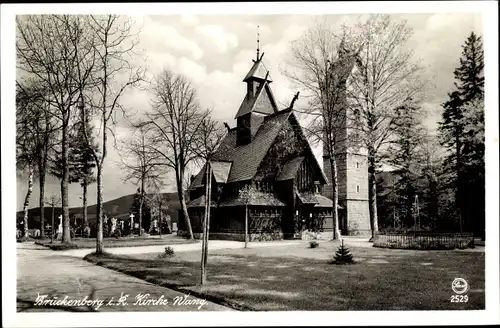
288	197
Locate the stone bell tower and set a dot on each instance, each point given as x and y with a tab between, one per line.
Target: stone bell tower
352	162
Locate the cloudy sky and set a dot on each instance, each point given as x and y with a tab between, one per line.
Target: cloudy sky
215	53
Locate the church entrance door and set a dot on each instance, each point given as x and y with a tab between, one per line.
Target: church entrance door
303	219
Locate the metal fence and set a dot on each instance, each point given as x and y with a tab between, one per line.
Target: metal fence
424	240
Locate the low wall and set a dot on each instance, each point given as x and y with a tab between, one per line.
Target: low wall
265	236
310	235
424	240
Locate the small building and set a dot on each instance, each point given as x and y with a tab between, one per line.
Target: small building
268	156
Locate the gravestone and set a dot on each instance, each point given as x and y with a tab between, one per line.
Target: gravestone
60	227
113	225
174	227
131	221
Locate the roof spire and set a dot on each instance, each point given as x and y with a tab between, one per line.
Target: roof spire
258	41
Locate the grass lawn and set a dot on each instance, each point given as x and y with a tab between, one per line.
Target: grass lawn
118	242
295	277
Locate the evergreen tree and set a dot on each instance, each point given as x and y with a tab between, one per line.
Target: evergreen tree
85	159
81	160
462	133
469	76
343	255
146	210
406	154
55	167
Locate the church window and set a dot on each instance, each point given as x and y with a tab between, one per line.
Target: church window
357	165
357	188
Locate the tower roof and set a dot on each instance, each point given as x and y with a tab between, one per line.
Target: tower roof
258	71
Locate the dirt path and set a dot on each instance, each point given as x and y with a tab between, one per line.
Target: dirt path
213	245
45	272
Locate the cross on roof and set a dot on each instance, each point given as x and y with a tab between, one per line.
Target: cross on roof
258	41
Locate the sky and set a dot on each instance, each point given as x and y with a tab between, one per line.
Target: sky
216	52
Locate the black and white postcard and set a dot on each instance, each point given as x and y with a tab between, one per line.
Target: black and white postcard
200	164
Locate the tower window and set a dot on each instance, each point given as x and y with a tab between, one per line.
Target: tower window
357	188
357	165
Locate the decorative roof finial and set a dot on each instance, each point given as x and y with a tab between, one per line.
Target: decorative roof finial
258	36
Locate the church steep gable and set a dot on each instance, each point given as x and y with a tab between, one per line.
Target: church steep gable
264	102
288	147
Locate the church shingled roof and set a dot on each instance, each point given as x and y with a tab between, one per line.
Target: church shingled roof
257	199
307	197
249	103
246	158
258	71
199	202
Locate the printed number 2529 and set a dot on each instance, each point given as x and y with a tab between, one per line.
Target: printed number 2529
459	299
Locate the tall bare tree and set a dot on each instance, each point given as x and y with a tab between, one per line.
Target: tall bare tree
43	127
208	140
140	164
320	63
50	49
174	123
386	77
25	146
113	45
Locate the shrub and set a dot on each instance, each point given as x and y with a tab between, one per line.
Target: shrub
169	252
313	244
62	247
117	233
86	232
23	239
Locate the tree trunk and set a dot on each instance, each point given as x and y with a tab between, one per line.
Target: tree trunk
335	197
205	224
27	201
141	202
160	219
185	213
372	192
85	217
99	247
42	202
246	226
52	226
207	229
66	237
459	204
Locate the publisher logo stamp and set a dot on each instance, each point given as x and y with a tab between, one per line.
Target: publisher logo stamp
460	286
